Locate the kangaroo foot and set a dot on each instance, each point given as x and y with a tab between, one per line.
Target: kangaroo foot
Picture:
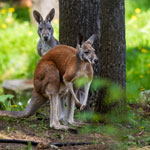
82	106
77	124
61	127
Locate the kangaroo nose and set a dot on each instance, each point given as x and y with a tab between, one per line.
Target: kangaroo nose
46	38
95	61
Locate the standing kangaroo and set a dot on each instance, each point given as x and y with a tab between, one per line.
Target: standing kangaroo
45	31
57	70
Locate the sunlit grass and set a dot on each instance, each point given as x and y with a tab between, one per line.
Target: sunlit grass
17	51
138	45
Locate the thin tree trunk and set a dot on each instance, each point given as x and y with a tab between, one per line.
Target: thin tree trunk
112	47
79	16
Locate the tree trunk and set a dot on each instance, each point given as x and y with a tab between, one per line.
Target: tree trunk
112	47
79	16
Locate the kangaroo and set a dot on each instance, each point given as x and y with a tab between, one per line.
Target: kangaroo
57	69
47	42
45	31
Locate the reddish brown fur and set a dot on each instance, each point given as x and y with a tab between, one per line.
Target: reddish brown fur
46	73
62	58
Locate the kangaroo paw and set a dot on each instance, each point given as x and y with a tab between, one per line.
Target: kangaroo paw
61	127
77	124
82	106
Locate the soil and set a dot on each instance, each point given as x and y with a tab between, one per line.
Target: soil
37	129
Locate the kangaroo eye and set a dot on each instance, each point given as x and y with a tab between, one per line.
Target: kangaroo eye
40	29
49	28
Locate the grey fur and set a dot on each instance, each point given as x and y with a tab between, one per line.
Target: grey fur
43	46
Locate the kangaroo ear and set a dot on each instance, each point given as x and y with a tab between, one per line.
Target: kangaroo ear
37	16
79	39
50	15
78	47
91	39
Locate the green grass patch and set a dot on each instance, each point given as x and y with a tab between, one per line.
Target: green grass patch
138	45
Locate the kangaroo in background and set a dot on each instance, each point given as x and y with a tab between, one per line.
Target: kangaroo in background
57	70
45	31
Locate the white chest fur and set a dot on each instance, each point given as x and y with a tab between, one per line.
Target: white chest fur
82	72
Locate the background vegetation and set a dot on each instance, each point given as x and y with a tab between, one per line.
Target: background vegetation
138	44
18	43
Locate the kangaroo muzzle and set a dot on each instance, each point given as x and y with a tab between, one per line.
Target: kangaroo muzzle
45	38
95	60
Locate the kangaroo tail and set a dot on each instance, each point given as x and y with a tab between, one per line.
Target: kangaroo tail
34	104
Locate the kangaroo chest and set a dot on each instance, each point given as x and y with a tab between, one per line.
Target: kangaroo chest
84	71
46	47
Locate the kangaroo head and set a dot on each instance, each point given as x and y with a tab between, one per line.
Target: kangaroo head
85	50
45	29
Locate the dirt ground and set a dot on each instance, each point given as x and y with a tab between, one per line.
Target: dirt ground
34	129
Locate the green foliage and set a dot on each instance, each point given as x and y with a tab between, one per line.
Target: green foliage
113	90
18	47
81	82
29	146
3	98
18	44
99	83
8	102
5	101
22	14
138	47
131	5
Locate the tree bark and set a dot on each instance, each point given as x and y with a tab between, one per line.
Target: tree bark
112	54
79	16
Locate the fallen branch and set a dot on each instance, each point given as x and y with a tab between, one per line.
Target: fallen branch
51	144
